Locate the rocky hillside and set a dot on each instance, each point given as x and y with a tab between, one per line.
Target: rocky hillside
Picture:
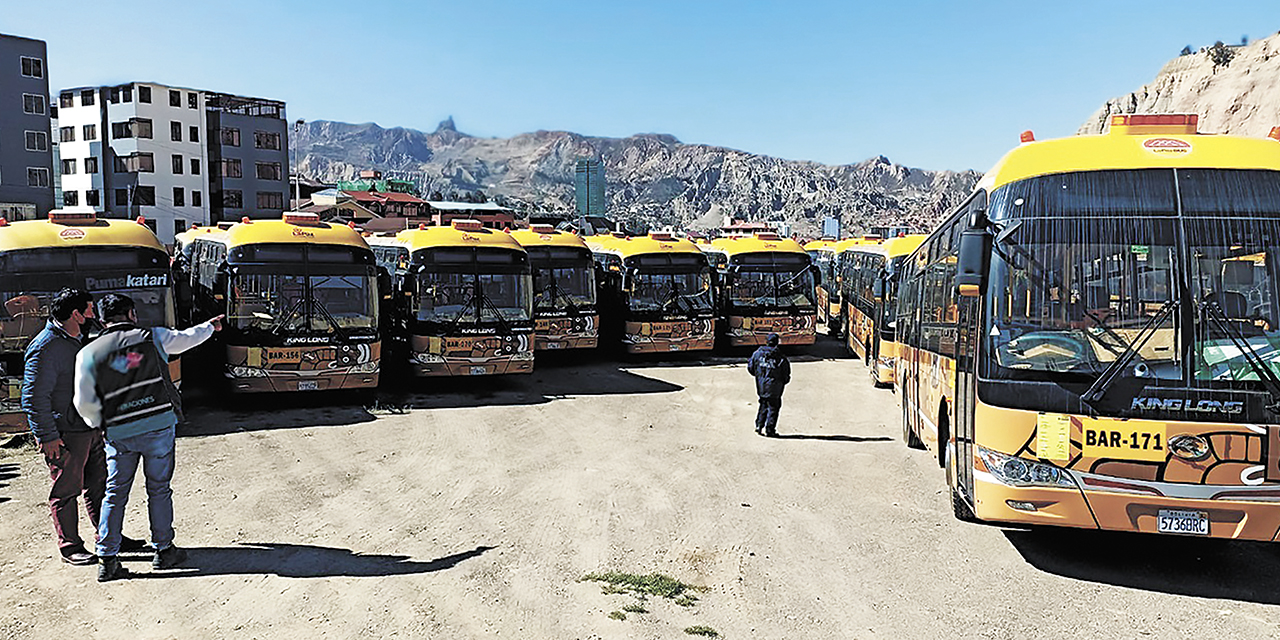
1234	89
652	179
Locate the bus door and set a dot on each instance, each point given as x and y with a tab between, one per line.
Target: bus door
965	399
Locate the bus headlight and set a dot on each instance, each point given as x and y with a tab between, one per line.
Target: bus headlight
522	355
428	358
1020	472
246	372
365	367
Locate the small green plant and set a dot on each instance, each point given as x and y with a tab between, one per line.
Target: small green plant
642	587
687	600
702	630
635	608
617	615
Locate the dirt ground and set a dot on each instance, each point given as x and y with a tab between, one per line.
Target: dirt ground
471	509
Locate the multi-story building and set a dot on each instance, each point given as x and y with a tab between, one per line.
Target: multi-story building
26	158
171	155
588	187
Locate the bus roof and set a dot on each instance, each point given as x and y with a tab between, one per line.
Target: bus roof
820	245
84	230
758	244
290	229
639	245
1134	142
453	236
548	237
903	245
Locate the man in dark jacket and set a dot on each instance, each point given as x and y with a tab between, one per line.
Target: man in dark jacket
772	373
72	449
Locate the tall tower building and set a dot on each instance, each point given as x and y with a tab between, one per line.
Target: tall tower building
588	187
26	156
174	156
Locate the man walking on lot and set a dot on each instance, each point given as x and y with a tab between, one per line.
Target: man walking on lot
72	449
772	373
122	384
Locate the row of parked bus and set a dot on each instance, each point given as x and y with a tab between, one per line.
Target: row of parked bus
313	306
1092	339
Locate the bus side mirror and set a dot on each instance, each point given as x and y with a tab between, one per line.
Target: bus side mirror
971	264
877	287
384	283
221	282
817	275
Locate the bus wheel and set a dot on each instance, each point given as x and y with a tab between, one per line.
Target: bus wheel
908	436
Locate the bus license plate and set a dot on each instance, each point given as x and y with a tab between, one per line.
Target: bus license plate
308	385
1194	523
555	345
477	371
674	346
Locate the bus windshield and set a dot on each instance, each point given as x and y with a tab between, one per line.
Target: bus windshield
1193	296
671	292
560	288
285	303
469	297
754	288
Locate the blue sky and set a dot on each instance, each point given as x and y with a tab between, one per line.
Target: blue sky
937	85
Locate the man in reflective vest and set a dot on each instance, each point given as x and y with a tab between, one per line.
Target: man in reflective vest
122	385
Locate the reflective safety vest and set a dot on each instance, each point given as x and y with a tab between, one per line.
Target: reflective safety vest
131	377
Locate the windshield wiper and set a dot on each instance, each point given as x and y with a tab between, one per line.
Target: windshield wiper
333	322
288	315
485	300
1109	375
1212	310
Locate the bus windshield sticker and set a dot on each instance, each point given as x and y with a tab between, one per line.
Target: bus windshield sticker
1053	436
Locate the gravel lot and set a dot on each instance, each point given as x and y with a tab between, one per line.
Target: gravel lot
471	508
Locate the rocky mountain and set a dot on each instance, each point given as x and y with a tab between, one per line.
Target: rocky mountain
653	179
1234	89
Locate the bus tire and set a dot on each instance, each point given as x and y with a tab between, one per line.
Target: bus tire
909	436
944	439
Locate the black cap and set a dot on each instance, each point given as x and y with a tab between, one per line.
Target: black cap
772	340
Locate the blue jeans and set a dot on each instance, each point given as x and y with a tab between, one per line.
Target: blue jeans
155	450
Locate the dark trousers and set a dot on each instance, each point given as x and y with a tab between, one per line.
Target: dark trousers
81	471
767	416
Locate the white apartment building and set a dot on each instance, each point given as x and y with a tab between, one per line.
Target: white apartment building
146	149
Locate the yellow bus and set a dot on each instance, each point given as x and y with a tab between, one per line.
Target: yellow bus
465	303
72	248
832	313
656	292
1091	339
868	292
768	286
301	298
564	288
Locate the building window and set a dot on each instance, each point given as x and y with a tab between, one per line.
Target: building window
145	196
134	128
126	94
114	95
68	166
90	132
266	140
232	199
122	197
179	197
194	134
86	98
177	164
91	164
268	170
175	131
144	94
195	199
270	200
175	98
230	168
33	104
230	136
193	101
91	198
37	177
66	100
136	163
70	198
67	134
32	67
37	141
179	226
195	166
